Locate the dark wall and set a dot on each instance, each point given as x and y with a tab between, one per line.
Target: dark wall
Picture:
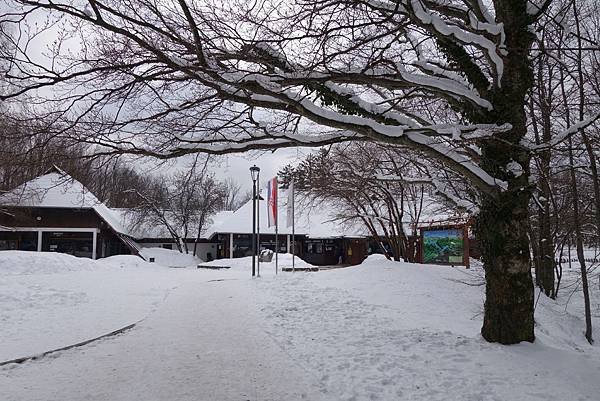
328	251
107	244
51	217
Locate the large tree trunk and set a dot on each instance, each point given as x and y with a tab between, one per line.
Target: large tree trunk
503	221
546	239
502	227
546	248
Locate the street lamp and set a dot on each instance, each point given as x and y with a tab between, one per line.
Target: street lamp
254	173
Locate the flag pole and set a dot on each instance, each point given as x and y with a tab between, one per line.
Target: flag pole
293	232
258	227
275	191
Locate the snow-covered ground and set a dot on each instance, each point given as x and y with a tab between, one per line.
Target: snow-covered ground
170	258
48	300
378	331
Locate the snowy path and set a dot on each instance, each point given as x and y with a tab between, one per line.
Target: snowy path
204	343
380	331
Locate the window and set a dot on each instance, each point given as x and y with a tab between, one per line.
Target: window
74	243
18	240
314	247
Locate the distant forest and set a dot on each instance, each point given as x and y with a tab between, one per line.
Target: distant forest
26	154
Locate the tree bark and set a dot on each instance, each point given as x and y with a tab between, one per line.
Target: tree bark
546	239
577	220
508	309
503	220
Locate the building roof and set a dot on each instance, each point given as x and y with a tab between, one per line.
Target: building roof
146	227
57	189
314	222
53	189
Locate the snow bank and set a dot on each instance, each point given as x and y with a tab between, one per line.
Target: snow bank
24	263
426	294
31	263
245	264
170	258
126	261
397	331
49	300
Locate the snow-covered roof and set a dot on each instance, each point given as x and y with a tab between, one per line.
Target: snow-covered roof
112	218
314	222
50	190
147	228
57	189
317	221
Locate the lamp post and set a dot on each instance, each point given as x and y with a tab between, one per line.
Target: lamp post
254	171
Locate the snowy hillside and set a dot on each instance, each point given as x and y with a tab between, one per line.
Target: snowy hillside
378	331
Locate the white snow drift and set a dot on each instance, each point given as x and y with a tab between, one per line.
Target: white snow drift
378	331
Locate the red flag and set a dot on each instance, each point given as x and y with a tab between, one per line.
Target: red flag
272	202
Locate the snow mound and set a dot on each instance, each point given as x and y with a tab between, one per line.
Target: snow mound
245	263
377	258
26	263
170	258
29	263
125	261
285	260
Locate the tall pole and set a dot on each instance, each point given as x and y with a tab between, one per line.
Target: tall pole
275	184
258	224
253	227
293	232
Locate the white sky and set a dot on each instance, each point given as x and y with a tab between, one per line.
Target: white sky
235	166
238	166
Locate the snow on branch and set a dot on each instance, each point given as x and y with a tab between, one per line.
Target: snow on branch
442	188
563	136
439	26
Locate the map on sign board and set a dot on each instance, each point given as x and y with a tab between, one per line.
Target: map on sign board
443	246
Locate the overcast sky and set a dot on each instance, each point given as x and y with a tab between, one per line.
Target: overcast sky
235	166
238	166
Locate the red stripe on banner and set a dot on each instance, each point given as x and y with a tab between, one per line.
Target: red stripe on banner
272	201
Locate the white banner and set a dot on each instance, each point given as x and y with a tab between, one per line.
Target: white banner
290	205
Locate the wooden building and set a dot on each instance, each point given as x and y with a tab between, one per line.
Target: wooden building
55	213
318	240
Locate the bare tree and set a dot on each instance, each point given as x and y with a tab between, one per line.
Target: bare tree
374	185
185	204
446	78
233	198
565	203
